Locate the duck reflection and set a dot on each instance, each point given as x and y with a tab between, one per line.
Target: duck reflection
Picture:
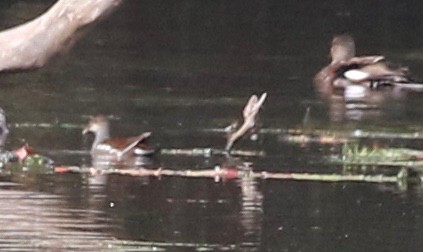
358	87
356	102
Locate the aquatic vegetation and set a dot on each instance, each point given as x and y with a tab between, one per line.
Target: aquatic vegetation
352	153
24	161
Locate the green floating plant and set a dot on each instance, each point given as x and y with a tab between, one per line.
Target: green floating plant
353	153
33	164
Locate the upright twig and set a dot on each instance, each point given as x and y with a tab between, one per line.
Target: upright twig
250	112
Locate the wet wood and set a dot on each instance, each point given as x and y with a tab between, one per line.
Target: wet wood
249	113
235	173
33	44
207	152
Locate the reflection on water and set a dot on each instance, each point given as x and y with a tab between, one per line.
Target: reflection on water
180	68
45	224
101	162
184	211
251	214
87	216
372	105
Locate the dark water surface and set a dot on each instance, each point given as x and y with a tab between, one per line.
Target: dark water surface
183	69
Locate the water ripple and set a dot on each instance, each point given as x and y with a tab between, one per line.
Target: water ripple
38	220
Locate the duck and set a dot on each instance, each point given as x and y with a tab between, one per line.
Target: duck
117	148
371	72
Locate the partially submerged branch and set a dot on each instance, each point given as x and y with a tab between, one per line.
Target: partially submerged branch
32	44
207	152
235	173
340	136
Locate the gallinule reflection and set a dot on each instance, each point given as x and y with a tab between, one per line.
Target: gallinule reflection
115	148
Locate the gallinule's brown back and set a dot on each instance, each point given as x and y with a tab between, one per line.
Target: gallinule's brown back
118	148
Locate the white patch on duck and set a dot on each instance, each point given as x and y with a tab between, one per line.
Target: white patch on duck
142	152
356	75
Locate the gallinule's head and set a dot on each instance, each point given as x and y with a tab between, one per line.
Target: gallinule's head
343	48
99	126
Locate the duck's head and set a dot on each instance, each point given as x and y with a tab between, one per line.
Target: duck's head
343	48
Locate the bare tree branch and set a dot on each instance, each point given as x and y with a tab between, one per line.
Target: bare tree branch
32	44
249	113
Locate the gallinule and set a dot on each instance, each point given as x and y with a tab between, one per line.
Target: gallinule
118	148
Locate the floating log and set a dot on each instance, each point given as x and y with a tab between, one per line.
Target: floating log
234	173
345	134
207	152
334	136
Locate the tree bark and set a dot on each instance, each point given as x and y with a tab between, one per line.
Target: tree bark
32	44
